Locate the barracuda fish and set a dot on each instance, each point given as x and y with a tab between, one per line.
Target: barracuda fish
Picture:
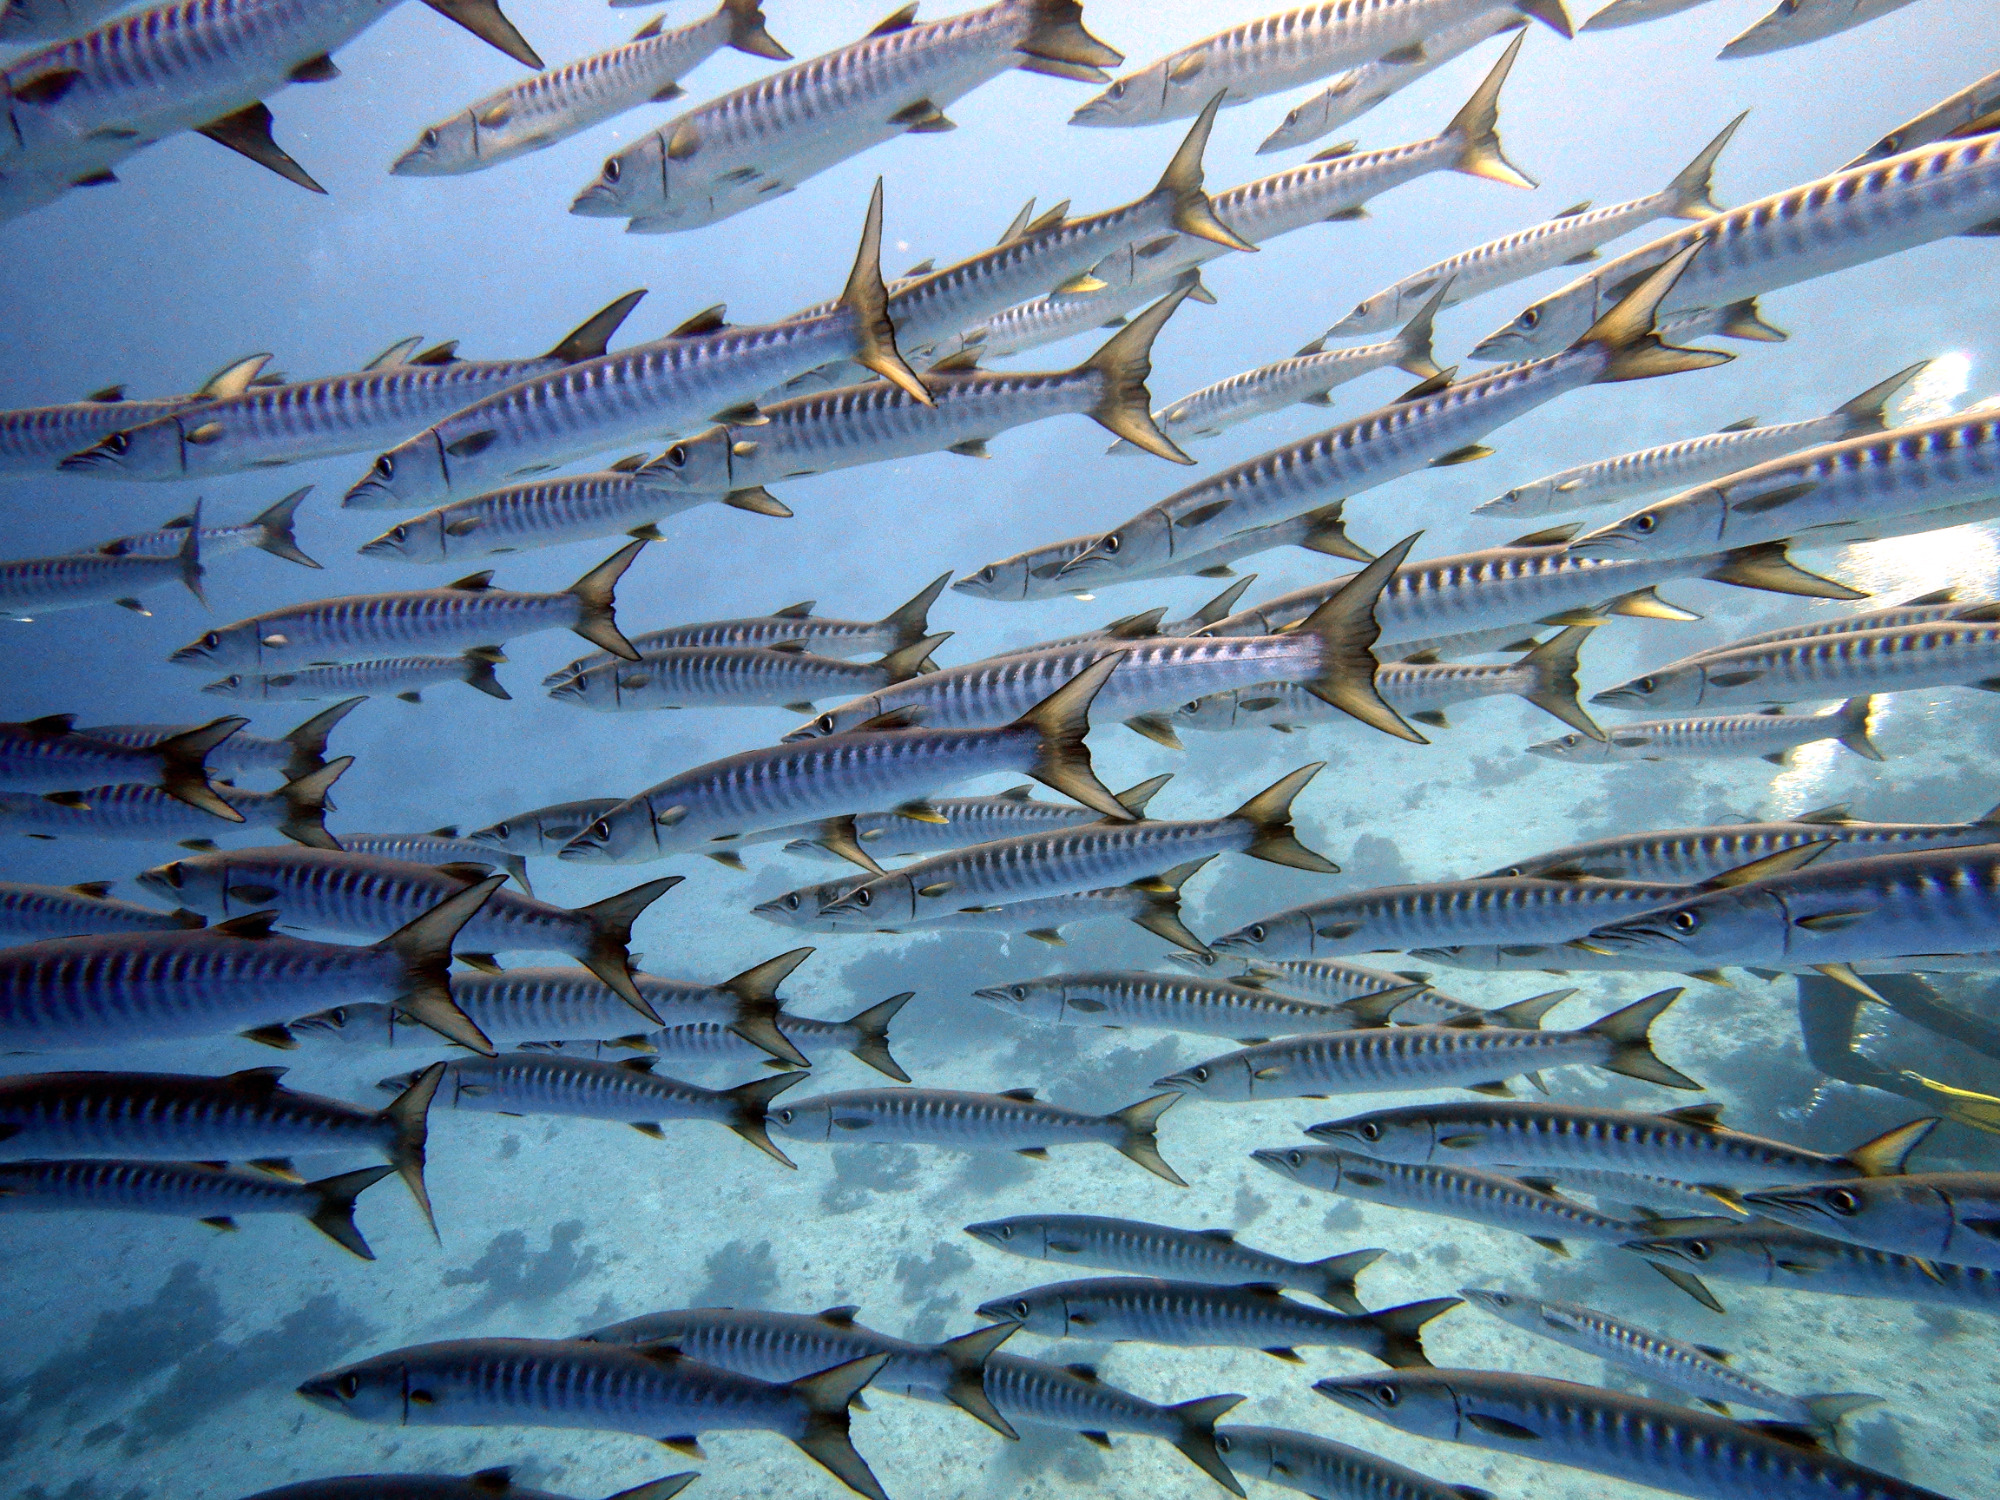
1488	1199
553	106
1935	1216
1329	981
1457	1054
1165	1002
358	893
938	823
487	1484
1771	735
764	139
1418	690
1155	622
1796	22
29	912
78	108
36	439
404	677
1541	958
961	1120
787	1346
1197	1314
1654	1443
543	830
1321	1467
466	613
1572	237
1970	111
1068	860
191	1190
600	1387
1964	651
1279	52
819	778
1846	219
1738	447
1210	1257
268	531
49	755
1034	574
1305	378
1049	319
1431	423
879	422
1630	1192
1687	855
699	371
269	426
1940	606
297	754
1766	1253
627	1092
1701	1370
244	1116
1073	1399
36	586
1688	1145
1633	12
1355	92
234	976
903	626
441	846
297	810
782	676
1152	902
1328	655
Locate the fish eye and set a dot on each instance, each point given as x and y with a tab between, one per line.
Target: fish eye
792	902
1368	1130
1645	522
338	1015
1686	921
430	139
401	533
1569	739
1117	90
824	723
986	573
601	829
500	830
350	1385
1844	1201
1501	1299
612	170
212	640
1021	1309
1700	1249
1530	318
234	679
1192	706
784	1117
678	455
1020	992
864	897
1295	1158
1109	545
1388	1395
1645	685
1006	1231
1256	932
1222	1442
118	442
385	467
172	874
1892	144
1199	1075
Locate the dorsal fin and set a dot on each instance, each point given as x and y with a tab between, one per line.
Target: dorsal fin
1742	424
255	924
95	889
901	20
964	361
795	611
630	463
1017	794
708	320
1701	1116
1574	209
1026	1096
473	582
258	1080
1428	387
1334	152
1548	536
1221	1236
1834	815
840	1317
1083	1372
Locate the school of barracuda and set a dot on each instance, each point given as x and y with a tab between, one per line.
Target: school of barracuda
912	792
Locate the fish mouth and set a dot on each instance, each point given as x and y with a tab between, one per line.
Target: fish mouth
1180	1083
1496	345
1628	935
1093	561
368	494
597	202
1789	1207
1618	697
1548	750
190	654
581	853
1608	542
997	1311
91	458
992	992
1356	1392
1232	942
323	1390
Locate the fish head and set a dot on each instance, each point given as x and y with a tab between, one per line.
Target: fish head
1856	1208
443	150
1214	714
1680	526
805	908
1508	1307
631	183
1142	99
880	898
154	449
1252	1452
1740	925
1386	1135
236	645
1426	1407
1580	747
1044	1000
1042	1310
1221	1080
835	720
1792	24
1146	541
1535	498
203	884
235	685
602	686
807	1120
1542	328
407	477
1007	579
1287	935
419	540
372	1390
365	1022
704	464
1307	1165
1675	687
502	835
1021	1236
627	834
1370	314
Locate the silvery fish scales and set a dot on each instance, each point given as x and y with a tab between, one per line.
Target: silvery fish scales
1321	1467
543	830
36	586
404	677
1763	1252
294	755
538	513
1163	1002
1771	735
728	676
46	911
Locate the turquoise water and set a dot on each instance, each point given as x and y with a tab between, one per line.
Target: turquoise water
157	1358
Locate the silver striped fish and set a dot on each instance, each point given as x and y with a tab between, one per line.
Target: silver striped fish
365	894
128	987
1458	1054
1306	377
267	426
1080	859
1278	52
129	811
1936	607
1669	466
49	755
1330	981
1437	421
1846	219
191	1190
1209	1256
786	1346
785	675
1771	735
1049	319
35	439
765	138
35	586
700	371
543	830
967	1121
1570	238
1198	1314
538	112
288	757
1321	1467
1797	22
1155	621
441	846
404	677
1701	1370
28	912
247	1116
628	1092
466	613
1657	1444
567	1383
487	1484
270	530
1973	109
1121	998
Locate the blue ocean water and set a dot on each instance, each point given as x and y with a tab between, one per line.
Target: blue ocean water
155	1358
